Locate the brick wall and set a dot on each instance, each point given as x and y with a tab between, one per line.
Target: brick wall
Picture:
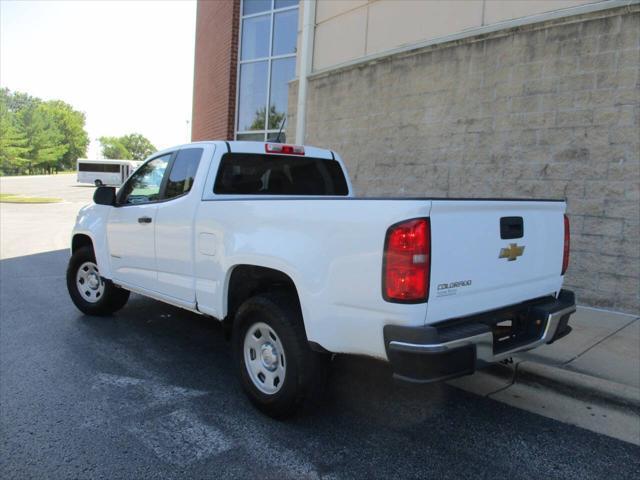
215	71
549	110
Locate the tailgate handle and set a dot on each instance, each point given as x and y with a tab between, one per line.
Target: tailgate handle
511	227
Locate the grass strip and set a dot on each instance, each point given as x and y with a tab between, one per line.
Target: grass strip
13	198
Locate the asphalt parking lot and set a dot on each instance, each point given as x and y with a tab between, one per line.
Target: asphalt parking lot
151	393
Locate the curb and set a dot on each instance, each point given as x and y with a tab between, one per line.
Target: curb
595	404
578	385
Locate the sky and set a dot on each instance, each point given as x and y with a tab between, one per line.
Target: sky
128	65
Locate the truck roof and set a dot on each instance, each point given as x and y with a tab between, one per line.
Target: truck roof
235	146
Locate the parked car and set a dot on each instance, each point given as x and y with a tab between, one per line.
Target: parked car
270	239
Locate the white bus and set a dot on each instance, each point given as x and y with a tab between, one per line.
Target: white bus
105	172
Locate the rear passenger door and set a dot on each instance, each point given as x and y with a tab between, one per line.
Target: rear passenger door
174	228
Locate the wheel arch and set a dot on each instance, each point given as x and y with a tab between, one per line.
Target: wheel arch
80	240
93	237
246	280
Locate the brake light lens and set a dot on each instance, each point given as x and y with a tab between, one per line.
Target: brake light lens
282	148
407	261
567	245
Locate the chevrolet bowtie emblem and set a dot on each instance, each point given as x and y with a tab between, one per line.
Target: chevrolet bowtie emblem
512	252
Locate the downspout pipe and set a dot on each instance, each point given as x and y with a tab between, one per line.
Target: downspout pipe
306	64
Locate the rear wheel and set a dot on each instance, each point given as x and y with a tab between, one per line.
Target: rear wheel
91	293
278	371
98	183
264	358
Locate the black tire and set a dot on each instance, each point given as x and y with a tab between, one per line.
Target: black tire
111	299
305	370
98	183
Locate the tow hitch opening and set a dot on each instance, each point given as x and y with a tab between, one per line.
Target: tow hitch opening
521	329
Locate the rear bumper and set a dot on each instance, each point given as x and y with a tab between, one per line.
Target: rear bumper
458	347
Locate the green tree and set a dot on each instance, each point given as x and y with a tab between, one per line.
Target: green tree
37	136
17	101
275	119
45	140
133	146
138	145
112	147
12	147
70	122
13	141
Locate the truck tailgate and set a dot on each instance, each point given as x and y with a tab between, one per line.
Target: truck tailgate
488	254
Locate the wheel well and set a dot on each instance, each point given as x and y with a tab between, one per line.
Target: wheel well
80	241
249	280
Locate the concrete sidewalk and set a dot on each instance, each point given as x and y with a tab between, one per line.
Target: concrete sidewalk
602	344
590	378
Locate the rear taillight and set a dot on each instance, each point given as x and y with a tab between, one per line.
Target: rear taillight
282	148
567	245
407	260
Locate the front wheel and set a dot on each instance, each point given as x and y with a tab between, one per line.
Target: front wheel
278	371
91	293
98	183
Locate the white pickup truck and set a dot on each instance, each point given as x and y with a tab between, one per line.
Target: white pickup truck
269	239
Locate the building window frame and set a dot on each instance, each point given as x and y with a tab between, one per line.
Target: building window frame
270	58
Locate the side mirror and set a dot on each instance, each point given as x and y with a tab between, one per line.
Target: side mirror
105	196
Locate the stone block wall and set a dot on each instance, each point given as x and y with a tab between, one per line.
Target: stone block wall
546	110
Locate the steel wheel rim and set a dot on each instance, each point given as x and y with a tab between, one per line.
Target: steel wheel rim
264	358
89	283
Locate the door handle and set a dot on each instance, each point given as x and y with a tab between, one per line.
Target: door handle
511	227
144	220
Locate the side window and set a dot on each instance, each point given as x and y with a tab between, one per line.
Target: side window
144	185
183	172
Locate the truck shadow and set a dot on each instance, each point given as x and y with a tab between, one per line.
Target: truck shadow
149	339
149	364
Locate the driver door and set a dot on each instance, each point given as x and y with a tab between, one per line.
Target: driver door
131	226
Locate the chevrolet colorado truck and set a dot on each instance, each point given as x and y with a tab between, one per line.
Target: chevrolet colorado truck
270	239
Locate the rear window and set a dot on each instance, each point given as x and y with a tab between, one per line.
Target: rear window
262	174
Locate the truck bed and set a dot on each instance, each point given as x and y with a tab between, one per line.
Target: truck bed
332	249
